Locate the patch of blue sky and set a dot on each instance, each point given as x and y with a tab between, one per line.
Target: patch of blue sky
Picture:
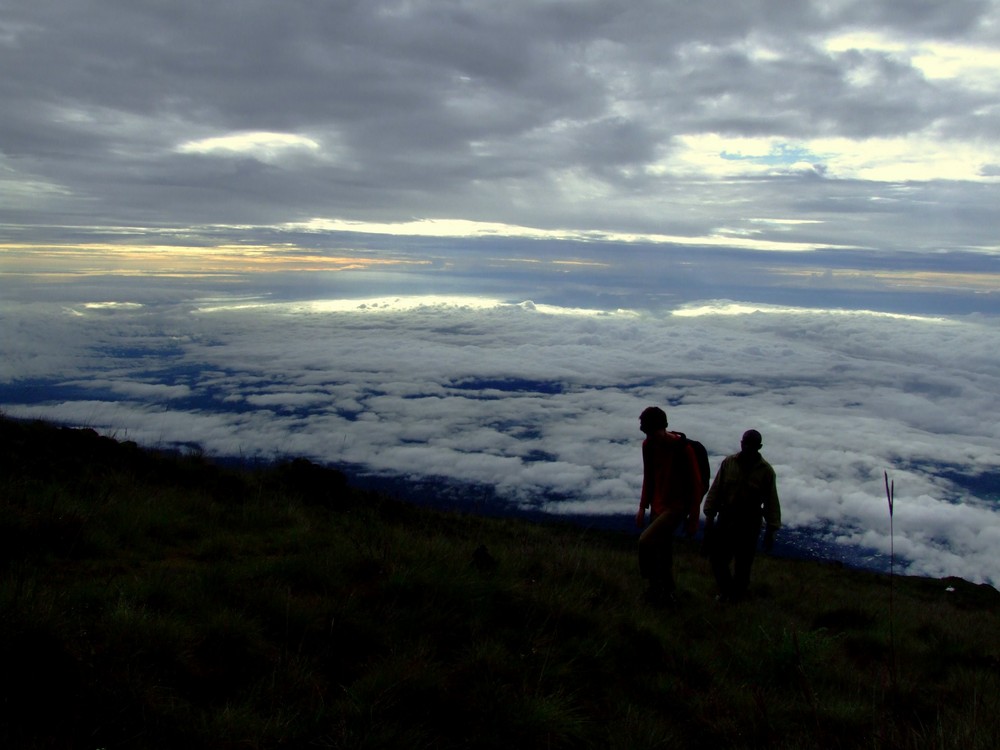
780	154
52	393
966	486
509	385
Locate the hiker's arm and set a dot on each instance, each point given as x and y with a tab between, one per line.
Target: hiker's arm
697	492
772	508
713	496
772	512
648	483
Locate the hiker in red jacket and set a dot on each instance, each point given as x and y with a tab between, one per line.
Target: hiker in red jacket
744	493
672	488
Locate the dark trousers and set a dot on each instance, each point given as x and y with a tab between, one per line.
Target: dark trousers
734	543
656	552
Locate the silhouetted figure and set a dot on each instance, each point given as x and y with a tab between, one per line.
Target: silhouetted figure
743	494
672	488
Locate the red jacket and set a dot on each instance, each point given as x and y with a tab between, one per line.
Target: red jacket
666	487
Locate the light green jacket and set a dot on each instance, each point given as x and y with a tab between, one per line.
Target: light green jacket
738	488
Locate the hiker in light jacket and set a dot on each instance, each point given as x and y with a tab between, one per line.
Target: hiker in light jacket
743	494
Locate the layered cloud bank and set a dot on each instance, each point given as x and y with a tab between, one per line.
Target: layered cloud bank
540	403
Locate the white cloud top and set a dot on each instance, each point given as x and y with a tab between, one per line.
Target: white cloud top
542	408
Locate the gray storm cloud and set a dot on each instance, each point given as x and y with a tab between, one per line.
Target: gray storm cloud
854	124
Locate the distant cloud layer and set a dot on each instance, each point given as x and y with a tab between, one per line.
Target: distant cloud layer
542	404
474	239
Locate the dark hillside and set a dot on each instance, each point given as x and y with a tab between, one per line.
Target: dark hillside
156	600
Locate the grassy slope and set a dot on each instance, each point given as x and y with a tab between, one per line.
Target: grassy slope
155	601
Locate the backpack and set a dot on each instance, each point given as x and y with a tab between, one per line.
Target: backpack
701	457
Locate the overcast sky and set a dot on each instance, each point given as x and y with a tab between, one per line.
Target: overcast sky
475	239
766	124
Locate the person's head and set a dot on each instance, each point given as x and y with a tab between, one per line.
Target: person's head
751	441
653	419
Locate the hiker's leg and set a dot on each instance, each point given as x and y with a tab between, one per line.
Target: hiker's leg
720	569
720	556
648	553
656	552
667	584
746	549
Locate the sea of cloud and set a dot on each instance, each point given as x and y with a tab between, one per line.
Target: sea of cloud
538	405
